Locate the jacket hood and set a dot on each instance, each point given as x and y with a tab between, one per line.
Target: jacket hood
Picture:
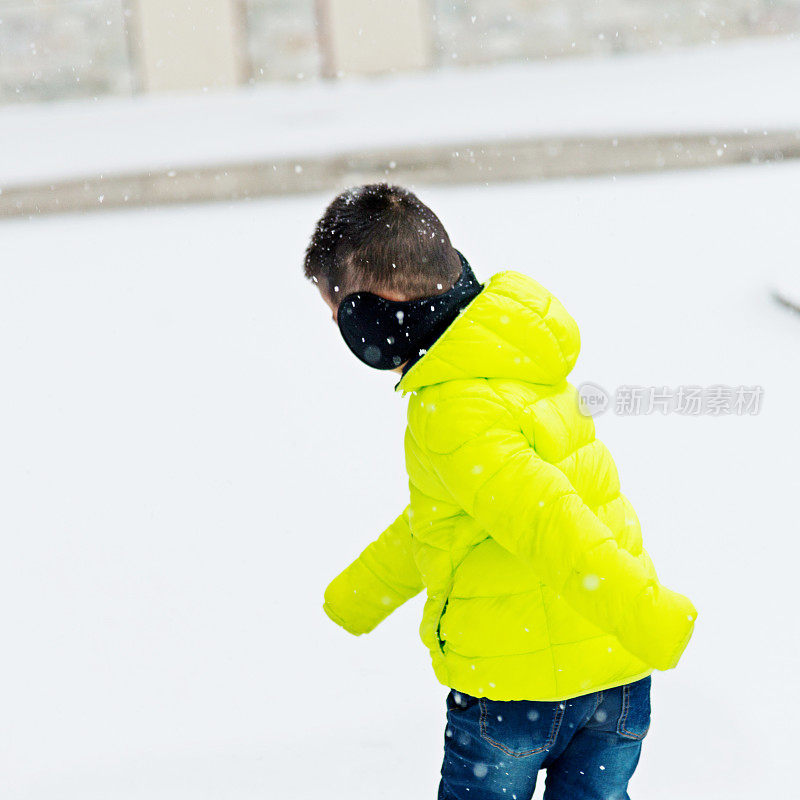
513	329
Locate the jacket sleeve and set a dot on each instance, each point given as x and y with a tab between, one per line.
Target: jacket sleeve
531	508
380	580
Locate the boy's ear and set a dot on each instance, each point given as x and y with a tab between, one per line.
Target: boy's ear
334	307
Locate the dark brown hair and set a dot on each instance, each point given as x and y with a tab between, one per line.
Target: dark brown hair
376	237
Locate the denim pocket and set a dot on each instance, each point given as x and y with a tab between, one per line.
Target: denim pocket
459	701
634	719
520	728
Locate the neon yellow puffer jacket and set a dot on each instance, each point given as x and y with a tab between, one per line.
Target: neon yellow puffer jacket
538	586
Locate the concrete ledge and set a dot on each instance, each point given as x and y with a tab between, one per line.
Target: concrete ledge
499	161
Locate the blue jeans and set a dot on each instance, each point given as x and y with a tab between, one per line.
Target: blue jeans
589	745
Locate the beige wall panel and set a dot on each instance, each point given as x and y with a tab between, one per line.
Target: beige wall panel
369	36
187	44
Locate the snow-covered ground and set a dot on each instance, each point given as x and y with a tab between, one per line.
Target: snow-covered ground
189	454
732	86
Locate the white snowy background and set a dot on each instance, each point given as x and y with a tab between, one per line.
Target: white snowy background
190	453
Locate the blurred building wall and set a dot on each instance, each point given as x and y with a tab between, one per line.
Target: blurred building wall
365	37
180	45
282	40
484	31
62	49
53	49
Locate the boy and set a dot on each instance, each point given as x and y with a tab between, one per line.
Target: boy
544	614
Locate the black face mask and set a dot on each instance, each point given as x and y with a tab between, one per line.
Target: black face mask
386	333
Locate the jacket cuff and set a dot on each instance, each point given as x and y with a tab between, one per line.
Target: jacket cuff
339	621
